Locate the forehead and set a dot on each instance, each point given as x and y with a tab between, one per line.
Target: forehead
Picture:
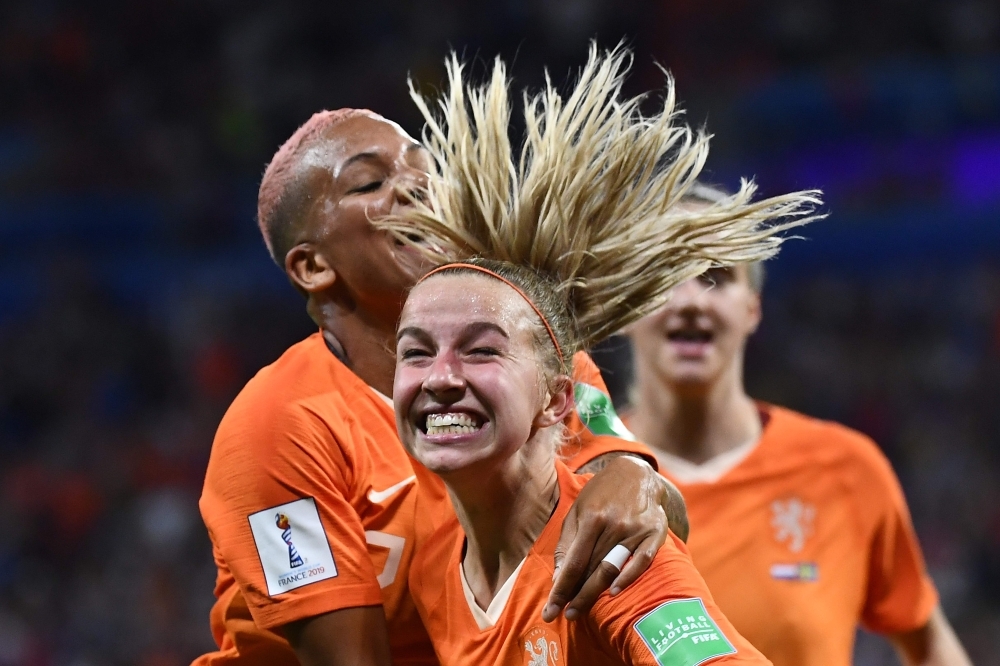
356	135
452	300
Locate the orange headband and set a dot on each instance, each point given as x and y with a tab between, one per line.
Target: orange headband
513	286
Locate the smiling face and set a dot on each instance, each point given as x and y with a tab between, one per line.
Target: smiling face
355	174
468	392
699	336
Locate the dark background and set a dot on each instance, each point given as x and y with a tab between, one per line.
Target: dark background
136	297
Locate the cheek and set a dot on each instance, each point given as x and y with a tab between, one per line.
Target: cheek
356	215
405	387
519	399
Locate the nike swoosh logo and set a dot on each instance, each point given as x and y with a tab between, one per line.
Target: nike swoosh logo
379	496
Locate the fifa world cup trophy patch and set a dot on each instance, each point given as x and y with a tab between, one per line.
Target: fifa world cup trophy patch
292	546
682	633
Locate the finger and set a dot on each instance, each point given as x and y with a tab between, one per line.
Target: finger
642	557
570	527
570	575
591	590
605	542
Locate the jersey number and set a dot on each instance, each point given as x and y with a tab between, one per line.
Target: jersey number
395	544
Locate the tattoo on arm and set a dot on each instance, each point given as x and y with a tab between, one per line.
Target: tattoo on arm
676	509
601	461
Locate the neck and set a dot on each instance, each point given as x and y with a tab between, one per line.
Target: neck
696	424
503	511
367	343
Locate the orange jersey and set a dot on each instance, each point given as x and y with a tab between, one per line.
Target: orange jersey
313	505
806	537
666	618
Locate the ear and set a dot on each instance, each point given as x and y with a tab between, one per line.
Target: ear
308	269
755	312
561	403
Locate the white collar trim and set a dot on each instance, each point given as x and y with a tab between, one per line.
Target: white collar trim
386	399
709	471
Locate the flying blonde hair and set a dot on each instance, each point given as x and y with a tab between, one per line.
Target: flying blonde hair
590	201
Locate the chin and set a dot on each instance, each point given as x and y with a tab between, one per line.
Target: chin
411	264
691	383
444	461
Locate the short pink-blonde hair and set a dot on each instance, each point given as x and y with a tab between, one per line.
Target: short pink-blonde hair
280	199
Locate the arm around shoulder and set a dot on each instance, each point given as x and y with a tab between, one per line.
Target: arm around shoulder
627	503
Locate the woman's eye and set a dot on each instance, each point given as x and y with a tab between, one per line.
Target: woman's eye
369	187
716	276
485	351
412	353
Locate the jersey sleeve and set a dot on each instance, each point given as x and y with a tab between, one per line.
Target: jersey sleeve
668	618
900	594
275	504
593	428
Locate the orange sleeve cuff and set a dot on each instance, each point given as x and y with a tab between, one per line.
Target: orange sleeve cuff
313	603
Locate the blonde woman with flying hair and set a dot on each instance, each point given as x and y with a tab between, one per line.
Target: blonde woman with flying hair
574	240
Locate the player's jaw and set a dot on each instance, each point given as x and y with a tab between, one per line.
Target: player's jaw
683	347
690	353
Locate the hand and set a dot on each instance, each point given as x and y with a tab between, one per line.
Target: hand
626	503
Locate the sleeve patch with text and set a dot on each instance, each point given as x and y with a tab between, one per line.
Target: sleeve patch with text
597	413
292	546
682	633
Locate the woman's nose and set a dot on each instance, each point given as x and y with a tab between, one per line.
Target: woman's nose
410	184
687	294
444	377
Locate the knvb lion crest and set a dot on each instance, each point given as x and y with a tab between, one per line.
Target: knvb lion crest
283	524
541	648
792	520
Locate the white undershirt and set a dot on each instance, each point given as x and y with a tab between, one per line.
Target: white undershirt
386	399
709	471
487	618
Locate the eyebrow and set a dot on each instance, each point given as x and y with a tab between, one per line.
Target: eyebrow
371	155
471	330
360	156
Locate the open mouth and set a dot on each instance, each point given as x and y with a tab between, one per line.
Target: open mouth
451	423
689	335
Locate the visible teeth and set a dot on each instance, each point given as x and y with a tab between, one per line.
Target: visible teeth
451	424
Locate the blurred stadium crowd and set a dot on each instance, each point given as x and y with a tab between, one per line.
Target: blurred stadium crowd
136	297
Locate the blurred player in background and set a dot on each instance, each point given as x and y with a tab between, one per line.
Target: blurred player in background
799	526
309	498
